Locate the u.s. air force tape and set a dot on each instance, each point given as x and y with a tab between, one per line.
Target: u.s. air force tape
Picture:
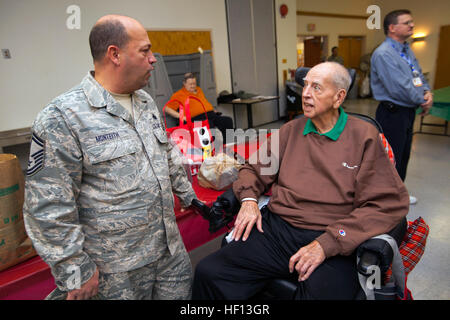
36	160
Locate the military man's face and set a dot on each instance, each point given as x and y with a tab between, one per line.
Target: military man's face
138	59
319	94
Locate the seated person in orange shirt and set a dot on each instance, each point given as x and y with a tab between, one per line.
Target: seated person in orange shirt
190	88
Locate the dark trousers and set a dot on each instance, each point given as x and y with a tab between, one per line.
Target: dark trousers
241	269
397	123
216	121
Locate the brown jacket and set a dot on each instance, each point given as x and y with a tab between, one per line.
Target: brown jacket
347	188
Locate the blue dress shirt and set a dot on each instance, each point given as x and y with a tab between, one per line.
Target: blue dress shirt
391	76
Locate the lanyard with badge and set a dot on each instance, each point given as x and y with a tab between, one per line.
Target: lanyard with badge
417	82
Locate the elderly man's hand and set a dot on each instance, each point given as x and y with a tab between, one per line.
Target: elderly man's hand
248	215
306	260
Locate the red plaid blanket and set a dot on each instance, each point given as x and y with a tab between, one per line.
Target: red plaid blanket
387	148
413	245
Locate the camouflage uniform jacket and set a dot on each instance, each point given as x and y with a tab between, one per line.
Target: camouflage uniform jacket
99	185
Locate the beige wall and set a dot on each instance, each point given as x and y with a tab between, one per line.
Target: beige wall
428	16
335	27
48	59
286	45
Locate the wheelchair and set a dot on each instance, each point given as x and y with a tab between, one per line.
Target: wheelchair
372	252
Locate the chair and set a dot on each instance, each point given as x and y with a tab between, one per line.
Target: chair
372	252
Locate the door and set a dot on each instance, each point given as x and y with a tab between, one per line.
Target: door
442	77
313	51
350	49
251	30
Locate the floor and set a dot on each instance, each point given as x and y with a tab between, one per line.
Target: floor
428	179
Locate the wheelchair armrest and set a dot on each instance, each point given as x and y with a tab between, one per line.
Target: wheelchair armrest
399	231
372	253
201	208
228	202
222	211
378	252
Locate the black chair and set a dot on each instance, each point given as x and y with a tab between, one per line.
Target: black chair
373	252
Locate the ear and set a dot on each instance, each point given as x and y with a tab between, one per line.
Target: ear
112	54
391	28
339	98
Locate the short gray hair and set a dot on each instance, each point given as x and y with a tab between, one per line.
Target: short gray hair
340	76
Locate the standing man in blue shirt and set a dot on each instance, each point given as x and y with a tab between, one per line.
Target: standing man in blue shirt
398	84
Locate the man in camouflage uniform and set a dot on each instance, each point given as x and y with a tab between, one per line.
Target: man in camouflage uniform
99	205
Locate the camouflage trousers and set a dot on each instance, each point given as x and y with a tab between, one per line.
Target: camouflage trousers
169	278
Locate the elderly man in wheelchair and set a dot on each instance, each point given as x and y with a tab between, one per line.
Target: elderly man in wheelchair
332	188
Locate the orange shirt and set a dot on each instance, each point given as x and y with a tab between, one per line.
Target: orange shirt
196	107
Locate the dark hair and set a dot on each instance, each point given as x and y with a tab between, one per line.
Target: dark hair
104	34
333	48
188	75
391	18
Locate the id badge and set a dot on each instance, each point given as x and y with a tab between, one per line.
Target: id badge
416	79
417	82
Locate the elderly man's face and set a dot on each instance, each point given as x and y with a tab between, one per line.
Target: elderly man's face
319	93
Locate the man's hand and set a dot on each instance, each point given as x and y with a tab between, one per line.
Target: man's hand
87	290
306	260
426	106
248	215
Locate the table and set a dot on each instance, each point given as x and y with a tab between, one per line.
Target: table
13	137
440	109
248	103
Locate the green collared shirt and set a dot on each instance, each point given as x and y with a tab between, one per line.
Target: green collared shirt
334	133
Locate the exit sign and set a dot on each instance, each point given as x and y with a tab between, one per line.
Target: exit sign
311	27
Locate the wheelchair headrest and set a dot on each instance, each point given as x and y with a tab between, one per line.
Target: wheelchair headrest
301	72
